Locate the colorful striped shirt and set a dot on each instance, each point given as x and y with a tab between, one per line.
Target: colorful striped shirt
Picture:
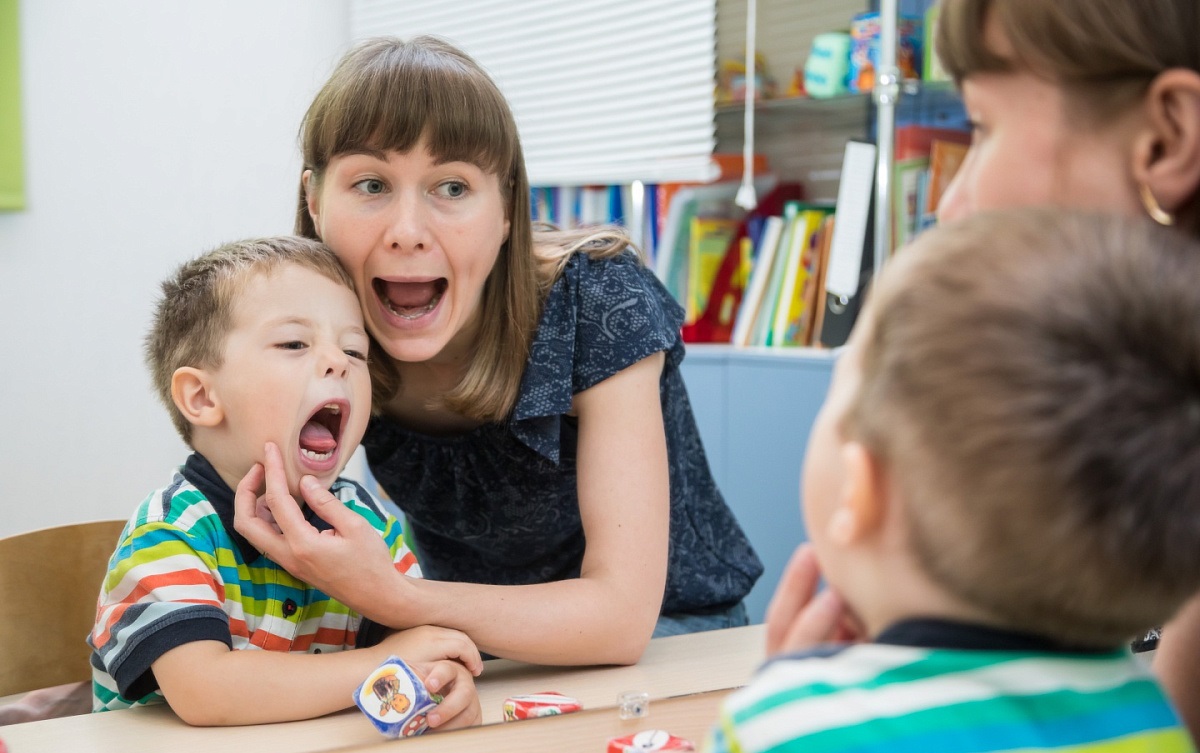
928	685
181	573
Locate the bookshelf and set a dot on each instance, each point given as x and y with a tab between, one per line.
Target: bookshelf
755	406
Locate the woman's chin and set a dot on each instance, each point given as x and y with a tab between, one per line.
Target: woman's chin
410	348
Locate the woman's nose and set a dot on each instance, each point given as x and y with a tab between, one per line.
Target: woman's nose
409	228
954	203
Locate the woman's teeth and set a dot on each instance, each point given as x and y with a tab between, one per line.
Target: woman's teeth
416	312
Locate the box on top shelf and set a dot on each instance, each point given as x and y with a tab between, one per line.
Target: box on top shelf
864	52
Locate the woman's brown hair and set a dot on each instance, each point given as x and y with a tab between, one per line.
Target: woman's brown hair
1103	53
387	94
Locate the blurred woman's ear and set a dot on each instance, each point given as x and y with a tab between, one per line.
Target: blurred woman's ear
310	190
1166	159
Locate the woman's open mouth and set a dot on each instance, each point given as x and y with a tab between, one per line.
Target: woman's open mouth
320	436
410	300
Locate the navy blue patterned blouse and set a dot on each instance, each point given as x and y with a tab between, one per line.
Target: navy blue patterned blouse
499	504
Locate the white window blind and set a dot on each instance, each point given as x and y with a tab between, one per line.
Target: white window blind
603	92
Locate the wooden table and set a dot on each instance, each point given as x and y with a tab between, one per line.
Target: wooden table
686	677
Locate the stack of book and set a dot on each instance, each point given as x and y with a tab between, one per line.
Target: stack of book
763	278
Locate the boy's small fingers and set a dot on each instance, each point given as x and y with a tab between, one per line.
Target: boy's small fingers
467	653
454	703
796	589
817	624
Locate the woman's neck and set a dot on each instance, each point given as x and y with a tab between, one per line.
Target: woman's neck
416	404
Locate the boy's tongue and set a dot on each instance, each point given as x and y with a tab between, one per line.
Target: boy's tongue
316	437
410	295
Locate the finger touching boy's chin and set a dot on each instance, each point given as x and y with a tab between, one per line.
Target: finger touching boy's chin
295	464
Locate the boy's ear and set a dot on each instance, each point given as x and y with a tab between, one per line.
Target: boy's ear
193	395
1166	155
862	501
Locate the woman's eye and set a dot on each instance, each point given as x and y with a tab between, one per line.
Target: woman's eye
292	345
356	354
371	186
453	189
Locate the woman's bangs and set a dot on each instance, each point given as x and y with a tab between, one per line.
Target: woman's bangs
392	106
961	40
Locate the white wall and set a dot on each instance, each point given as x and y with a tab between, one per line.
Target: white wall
153	131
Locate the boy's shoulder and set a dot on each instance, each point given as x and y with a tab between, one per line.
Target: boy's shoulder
836	666
179	503
846	694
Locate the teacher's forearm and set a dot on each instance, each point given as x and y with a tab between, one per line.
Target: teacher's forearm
569	622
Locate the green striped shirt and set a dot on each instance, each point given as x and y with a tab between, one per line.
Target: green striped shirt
181	573
877	697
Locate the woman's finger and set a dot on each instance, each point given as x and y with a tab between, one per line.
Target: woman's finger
329	508
246	518
283	506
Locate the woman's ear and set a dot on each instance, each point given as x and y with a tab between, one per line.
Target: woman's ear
1167	152
311	196
194	396
863	499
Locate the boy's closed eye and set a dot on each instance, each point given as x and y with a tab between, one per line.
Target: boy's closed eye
292	345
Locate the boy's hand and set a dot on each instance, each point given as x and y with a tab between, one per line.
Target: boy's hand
429	643
799	617
460	701
349	561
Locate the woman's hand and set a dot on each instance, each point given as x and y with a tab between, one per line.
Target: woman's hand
799	617
460	701
350	561
429	643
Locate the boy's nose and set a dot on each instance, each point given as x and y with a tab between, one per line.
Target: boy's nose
335	363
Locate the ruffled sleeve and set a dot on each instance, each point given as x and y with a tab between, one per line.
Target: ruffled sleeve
601	316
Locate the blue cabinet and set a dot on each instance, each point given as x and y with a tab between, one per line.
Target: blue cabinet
755	409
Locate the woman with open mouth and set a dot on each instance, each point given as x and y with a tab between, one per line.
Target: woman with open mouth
532	422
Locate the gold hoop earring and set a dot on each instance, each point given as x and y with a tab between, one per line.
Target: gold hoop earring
1156	212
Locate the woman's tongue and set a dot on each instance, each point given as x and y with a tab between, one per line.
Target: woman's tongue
411	299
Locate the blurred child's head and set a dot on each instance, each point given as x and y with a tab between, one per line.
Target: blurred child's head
263	340
1027	384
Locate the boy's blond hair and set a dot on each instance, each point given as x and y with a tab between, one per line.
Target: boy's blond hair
1031	379
195	313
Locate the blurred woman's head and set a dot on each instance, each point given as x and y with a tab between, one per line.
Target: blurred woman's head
1082	103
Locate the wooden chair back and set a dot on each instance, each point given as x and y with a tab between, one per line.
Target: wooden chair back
49	582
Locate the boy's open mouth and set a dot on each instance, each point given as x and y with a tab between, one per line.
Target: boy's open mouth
320	435
411	300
